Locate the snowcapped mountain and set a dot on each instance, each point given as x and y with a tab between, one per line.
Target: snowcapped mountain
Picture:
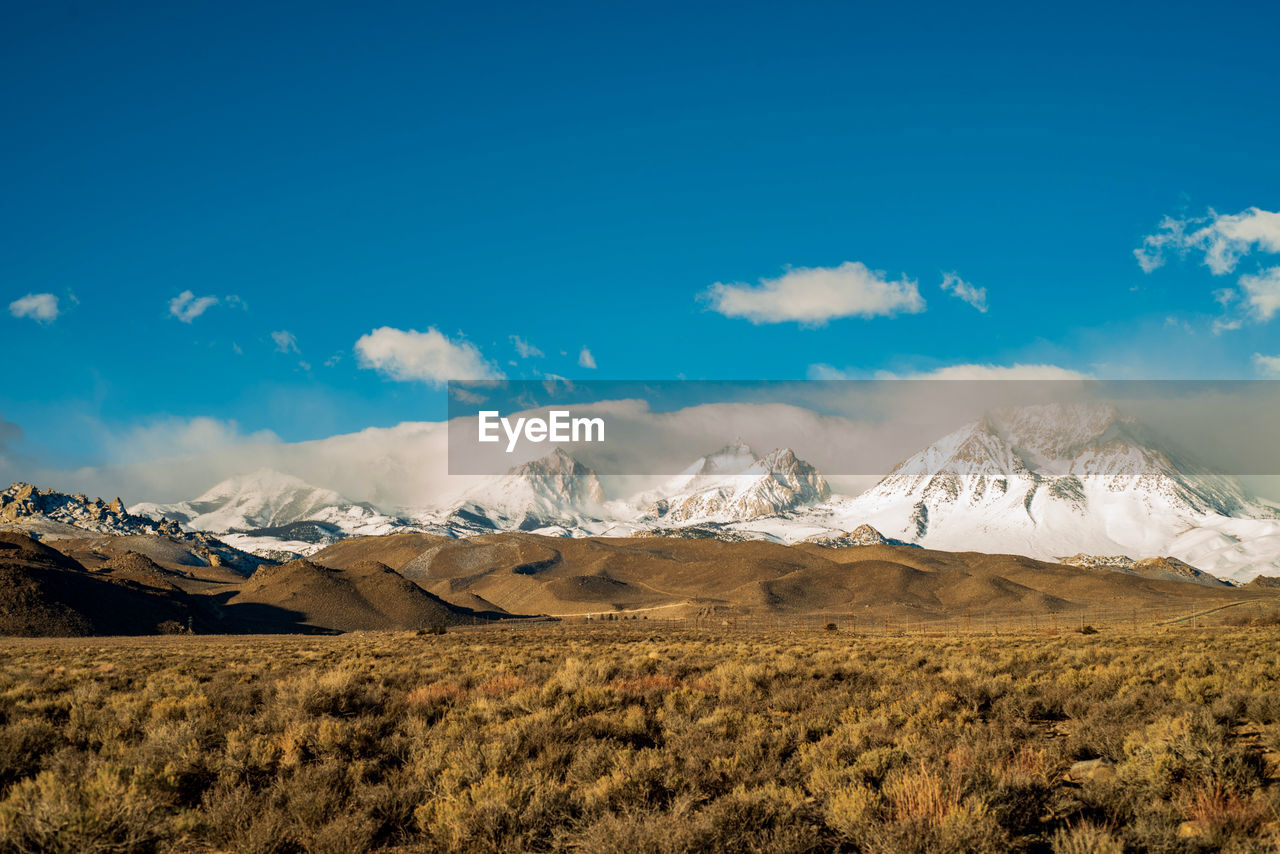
733	459
553	494
734	485
1047	482
271	511
1053	481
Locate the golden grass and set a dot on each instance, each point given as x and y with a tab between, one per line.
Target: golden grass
640	738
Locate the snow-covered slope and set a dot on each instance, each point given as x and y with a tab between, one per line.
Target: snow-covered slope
1054	481
268	511
733	485
1047	482
554	494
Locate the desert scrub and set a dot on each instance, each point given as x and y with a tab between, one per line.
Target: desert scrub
631	737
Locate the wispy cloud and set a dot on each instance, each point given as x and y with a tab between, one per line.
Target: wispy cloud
1000	372
186	306
42	308
1261	293
429	357
525	349
1267	365
1223	238
972	371
814	295
586	360
286	342
976	297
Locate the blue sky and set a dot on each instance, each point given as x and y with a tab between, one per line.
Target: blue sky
583	176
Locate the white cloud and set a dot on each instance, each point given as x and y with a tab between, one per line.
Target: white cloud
971	371
179	437
1262	293
525	349
174	459
466	395
586	360
976	297
286	342
1223	238
814	295
42	308
186	306
1268	365
1171	234
407	466
429	357
1000	372
823	371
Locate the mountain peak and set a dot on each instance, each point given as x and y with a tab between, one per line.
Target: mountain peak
734	458
557	463
261	481
555	489
777	482
265	502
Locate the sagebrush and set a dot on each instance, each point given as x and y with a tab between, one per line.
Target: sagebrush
631	738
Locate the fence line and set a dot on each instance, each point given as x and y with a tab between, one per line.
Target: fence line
995	623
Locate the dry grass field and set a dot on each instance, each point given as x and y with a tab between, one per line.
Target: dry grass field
636	737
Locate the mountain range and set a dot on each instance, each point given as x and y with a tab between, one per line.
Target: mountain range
1045	482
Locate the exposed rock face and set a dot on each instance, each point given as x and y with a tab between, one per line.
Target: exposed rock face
1158	566
777	482
1266	582
23	502
863	535
560	476
1099	561
555	490
46	514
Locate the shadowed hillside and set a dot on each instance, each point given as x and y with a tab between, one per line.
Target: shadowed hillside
526	573
366	595
144	585
45	593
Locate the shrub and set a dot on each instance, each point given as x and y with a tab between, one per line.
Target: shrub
608	737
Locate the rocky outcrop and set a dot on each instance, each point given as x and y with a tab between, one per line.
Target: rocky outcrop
775	483
863	535
23	502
